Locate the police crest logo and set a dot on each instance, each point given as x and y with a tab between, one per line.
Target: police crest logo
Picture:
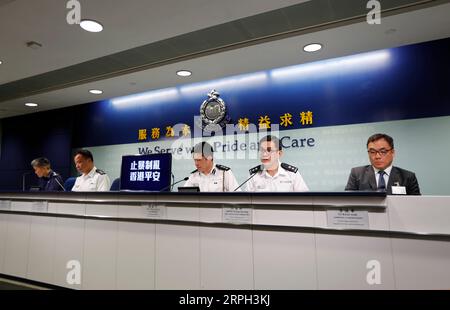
213	111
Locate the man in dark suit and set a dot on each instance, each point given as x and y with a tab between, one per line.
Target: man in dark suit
381	175
48	179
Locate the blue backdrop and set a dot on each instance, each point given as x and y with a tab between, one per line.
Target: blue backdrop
394	84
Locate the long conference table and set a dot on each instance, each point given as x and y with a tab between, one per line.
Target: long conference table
122	240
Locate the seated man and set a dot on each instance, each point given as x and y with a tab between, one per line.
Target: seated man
272	175
207	176
48	179
381	175
91	179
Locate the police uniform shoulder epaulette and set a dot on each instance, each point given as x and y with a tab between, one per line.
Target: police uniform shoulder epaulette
194	171
100	171
255	169
289	167
222	167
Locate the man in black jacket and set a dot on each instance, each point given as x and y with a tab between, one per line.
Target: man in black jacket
381	175
48	179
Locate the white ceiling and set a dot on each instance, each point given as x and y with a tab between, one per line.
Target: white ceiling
134	23
127	24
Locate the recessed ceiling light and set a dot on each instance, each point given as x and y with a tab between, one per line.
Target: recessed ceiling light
96	91
31	104
91	25
1	62
184	73
313	47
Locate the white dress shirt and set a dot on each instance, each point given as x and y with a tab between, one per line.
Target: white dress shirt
94	181
282	181
217	180
385	176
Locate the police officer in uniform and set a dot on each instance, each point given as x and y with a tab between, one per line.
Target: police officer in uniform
272	175
207	176
48	179
91	178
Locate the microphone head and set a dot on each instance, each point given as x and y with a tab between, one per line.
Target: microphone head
186	178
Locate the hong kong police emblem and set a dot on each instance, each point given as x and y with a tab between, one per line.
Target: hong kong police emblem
213	111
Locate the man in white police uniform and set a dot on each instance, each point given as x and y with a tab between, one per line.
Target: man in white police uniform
209	177
272	175
91	178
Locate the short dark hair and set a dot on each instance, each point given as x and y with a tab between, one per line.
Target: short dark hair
273	139
85	153
379	136
40	162
203	148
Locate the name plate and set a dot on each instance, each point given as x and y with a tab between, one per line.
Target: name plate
39	206
153	211
348	218
398	190
237	215
5	205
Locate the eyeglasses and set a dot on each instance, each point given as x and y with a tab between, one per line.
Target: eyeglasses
268	151
382	152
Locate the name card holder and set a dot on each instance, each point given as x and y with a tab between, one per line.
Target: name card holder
348	218
39	206
5	205
237	215
154	211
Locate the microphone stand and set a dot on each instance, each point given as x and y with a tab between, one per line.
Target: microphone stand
254	173
173	181
59	183
23	179
171	186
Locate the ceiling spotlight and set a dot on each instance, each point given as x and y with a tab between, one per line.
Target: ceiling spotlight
313	47
31	104
91	25
96	91
1	62
184	73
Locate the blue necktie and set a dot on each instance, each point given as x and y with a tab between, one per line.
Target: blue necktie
381	183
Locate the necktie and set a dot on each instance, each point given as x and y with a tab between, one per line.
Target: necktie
381	183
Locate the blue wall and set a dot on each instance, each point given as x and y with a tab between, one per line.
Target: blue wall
405	83
27	137
400	83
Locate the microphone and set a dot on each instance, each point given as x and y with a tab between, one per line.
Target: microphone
171	185
253	172
57	181
24	178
